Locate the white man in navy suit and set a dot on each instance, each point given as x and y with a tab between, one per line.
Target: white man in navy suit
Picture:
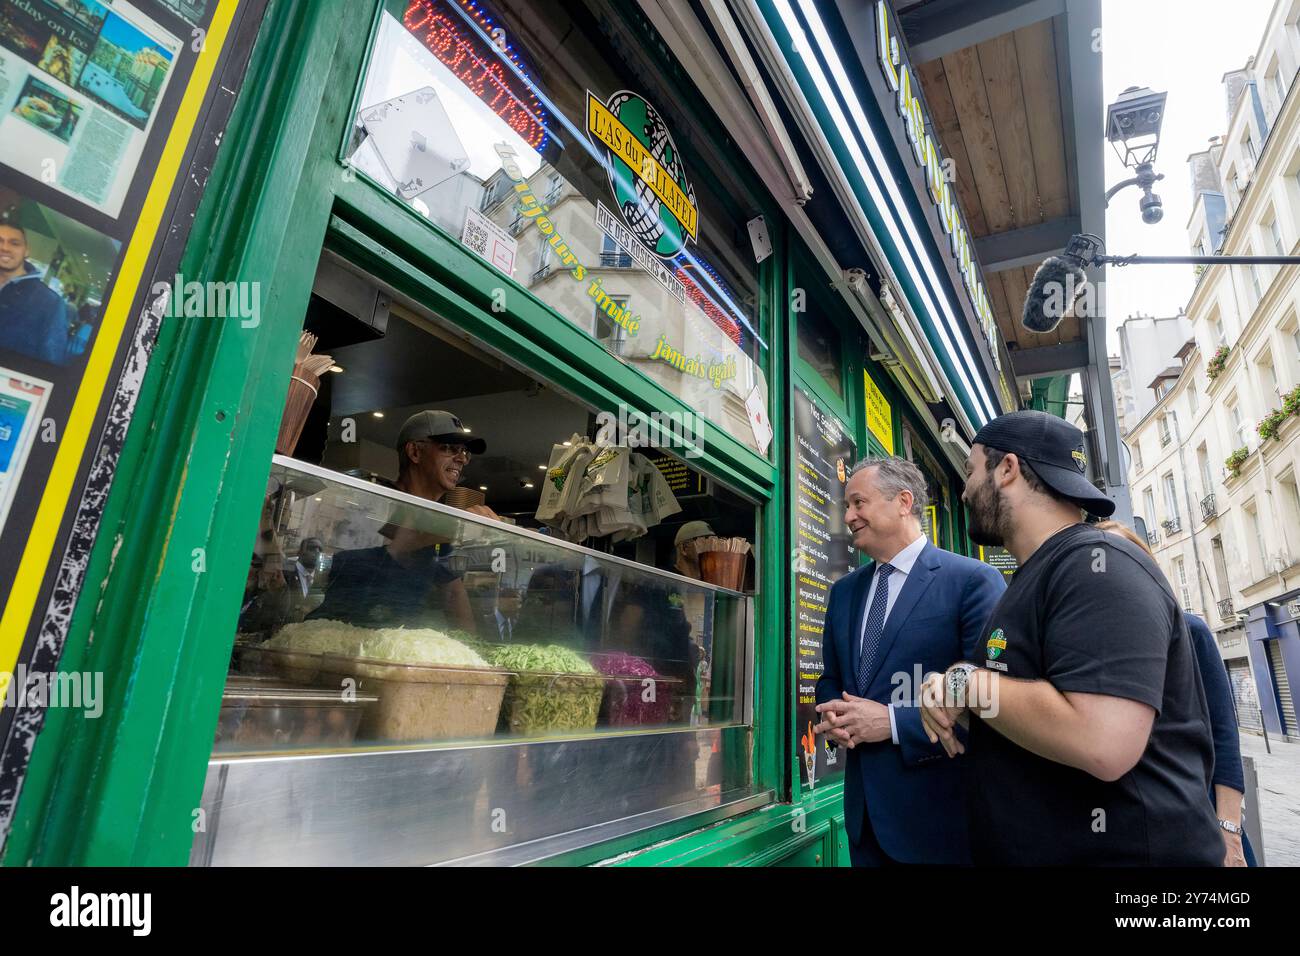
914	609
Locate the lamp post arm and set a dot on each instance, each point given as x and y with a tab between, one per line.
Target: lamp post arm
1117	187
1135	260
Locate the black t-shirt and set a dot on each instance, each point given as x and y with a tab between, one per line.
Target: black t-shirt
1091	613
367	587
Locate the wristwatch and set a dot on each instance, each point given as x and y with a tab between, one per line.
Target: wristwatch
955	681
1230	827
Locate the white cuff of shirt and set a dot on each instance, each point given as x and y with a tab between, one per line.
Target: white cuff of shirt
893	726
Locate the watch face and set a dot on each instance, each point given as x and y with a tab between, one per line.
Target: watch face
955	684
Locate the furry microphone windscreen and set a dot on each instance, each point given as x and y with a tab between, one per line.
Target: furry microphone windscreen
1057	284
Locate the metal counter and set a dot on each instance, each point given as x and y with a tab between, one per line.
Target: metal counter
496	804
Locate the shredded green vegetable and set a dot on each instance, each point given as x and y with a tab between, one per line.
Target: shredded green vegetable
552	689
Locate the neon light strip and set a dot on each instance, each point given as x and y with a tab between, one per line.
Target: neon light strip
871	180
599	157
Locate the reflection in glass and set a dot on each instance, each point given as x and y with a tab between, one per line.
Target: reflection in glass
456	629
533	197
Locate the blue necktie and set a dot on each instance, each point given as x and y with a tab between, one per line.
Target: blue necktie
875	625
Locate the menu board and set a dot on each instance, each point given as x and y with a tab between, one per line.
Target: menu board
1000	558
823	454
683	480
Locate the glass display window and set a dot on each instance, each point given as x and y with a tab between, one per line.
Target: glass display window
526	132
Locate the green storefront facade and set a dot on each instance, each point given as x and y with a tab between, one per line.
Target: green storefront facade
128	787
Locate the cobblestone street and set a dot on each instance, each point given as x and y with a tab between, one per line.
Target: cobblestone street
1279	797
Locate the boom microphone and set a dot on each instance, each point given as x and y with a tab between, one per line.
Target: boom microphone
1057	284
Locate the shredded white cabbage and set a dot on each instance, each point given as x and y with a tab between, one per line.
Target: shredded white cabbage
398	645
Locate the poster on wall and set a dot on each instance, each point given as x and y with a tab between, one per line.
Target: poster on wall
22	400
110	118
81	87
823	453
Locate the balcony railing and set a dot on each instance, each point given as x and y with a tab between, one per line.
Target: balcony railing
542	273
1153	538
1208	508
616	260
1225	609
1165	439
1172	525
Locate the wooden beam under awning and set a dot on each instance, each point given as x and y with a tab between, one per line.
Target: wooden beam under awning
1025	247
942	27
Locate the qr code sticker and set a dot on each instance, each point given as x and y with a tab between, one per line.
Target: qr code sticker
476	237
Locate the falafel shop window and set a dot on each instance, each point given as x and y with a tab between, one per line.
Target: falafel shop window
537	137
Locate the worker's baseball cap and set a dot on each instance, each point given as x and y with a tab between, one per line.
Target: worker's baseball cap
438	425
1056	451
692	530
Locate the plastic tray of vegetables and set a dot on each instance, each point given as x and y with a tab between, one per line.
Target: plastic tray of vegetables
430	686
552	688
635	693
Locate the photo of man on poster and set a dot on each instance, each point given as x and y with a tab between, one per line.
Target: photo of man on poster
33	317
54	272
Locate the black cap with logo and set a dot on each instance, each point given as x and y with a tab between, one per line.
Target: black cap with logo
1054	448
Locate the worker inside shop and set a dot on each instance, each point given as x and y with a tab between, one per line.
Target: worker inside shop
411	579
408	402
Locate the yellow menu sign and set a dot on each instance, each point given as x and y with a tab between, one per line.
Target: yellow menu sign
880	417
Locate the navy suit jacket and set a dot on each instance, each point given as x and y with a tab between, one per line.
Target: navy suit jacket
910	793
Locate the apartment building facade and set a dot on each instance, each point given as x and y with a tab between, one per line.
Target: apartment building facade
1215	461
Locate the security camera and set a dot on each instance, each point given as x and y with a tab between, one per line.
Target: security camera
1152	209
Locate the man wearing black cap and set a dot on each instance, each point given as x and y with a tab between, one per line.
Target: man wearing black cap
1092	742
411	579
433	449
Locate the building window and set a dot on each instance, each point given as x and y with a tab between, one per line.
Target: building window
1180	575
1267	379
1290	497
1203	464
1275	233
1137	457
1193	399
1220	337
1238	426
1248	147
1279	88
1295	351
1254	533
612	255
818	344
1171	500
1149	502
609	331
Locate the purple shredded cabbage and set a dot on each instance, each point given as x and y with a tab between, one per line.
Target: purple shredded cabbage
624	699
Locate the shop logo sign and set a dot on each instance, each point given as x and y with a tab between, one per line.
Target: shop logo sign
996	645
645	170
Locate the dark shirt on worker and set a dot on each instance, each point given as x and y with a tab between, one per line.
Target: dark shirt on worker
1091	613
367	587
33	318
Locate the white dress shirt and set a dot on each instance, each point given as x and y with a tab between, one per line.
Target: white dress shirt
902	564
304	577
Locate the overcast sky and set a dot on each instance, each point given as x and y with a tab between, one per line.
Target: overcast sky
1182	47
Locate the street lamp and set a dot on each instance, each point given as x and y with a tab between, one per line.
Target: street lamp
1133	129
